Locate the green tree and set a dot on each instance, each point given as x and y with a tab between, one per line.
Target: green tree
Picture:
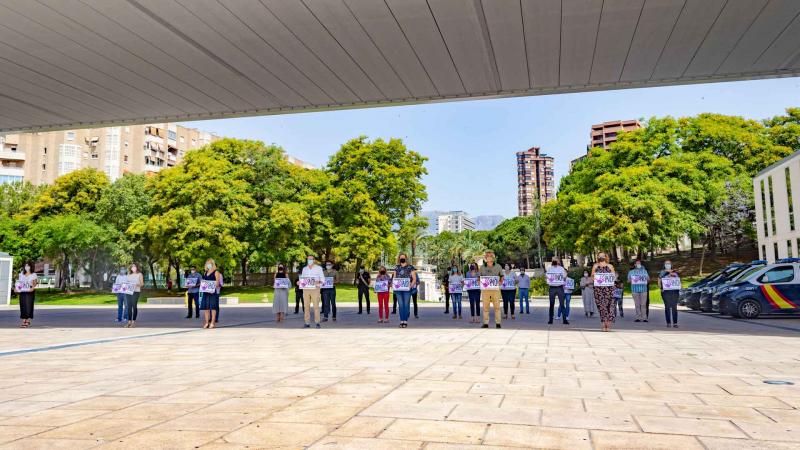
77	192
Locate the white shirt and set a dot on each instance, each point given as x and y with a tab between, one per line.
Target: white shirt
557	270
314	272
29	279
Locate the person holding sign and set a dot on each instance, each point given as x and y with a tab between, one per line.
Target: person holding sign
280	295
556	277
491	278
117	288
638	279
192	282
455	287
311	279
362	283
524	285
569	286
328	291
209	288
404	280
136	281
669	293
473	286
382	282
508	290
603	276
587	294
25	287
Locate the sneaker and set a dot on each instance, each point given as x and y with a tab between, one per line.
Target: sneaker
485	326
359	312
334	319
566	322
645	320
459	316
669	325
454	317
447	312
550	322
416	316
306	326
675	326
498	326
637	320
319	326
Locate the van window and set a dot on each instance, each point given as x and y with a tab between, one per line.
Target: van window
780	274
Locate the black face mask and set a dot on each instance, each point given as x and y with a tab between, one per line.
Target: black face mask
402	260
280	269
383	272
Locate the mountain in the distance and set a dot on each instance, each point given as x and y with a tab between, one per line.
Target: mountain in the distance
486	223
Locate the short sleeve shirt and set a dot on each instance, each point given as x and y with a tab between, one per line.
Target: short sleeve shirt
403	271
494	271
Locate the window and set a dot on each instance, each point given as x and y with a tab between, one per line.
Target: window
70	135
45	151
172	135
775	248
788	249
772	208
789	200
764	210
44	167
780	274
183	139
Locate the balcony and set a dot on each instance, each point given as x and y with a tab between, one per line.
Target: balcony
12	171
12	155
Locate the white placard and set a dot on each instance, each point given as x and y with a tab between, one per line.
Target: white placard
190	282
456	288
116	288
490	283
282	283
638	279
22	286
670	284
381	286
208	286
307	283
554	279
509	283
604	279
471	284
328	283
401	284
569	284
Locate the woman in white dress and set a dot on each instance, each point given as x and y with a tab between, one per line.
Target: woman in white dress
587	293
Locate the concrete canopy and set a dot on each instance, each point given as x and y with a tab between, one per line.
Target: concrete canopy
77	63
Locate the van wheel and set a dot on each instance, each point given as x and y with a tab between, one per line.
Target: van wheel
749	309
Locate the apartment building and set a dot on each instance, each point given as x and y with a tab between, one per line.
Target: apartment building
604	134
12	161
454	222
777	225
535	180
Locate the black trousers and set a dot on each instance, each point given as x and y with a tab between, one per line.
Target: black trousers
298	300
556	291
413	299
363	292
132	305
193	297
508	297
328	302
670	306
447	300
26	305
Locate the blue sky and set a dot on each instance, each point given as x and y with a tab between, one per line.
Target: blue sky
471	144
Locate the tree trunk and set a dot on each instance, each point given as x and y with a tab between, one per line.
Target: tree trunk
358	266
244	271
152	266
691	246
178	274
677	248
702	258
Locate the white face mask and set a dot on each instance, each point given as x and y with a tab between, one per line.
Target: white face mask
668	266
638	266
27	268
208	266
309	261
328	266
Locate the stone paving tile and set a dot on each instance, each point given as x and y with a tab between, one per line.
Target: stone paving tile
52	417
163	439
608	440
205	421
361	426
268	435
343	442
542	403
629	407
490	414
409	411
722	413
99	429
770	432
10	433
740	400
315	413
594	421
435	431
711	443
50	444
695	427
537	437
153	411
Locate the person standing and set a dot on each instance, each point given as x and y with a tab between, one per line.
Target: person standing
403	270
298	295
619	291
524	285
474	294
121	312
135	279
491	296
280	296
508	290
446	285
220	283
193	292
670	297
312	295
556	276
362	284
28	280
210	300
383	297
638	279
455	279
587	294
603	295
329	293
569	287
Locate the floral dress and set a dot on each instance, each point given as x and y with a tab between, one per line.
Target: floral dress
603	296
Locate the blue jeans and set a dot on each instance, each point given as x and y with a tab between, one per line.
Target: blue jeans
121	312
524	301
474	302
456	304
404	302
561	309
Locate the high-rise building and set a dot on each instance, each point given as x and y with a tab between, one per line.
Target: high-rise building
535	180
42	157
604	134
454	222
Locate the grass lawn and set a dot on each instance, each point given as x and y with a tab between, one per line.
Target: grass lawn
246	294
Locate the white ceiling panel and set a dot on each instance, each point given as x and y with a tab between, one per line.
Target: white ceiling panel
77	63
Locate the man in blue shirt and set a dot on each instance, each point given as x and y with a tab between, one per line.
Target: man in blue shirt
638	279
193	293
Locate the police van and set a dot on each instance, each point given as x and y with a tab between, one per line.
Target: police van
770	289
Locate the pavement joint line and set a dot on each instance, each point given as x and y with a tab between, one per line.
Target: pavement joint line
113	339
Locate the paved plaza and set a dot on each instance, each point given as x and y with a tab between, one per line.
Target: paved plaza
77	380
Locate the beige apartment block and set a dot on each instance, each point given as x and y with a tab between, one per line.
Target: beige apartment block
605	134
775	189
535	179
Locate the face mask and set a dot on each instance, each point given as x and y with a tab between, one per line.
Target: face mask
585	274
208	266
280	269
193	271
668	266
638	266
383	272
122	271
27	268
309	262
360	270
328	266
402	260
601	260
508	267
